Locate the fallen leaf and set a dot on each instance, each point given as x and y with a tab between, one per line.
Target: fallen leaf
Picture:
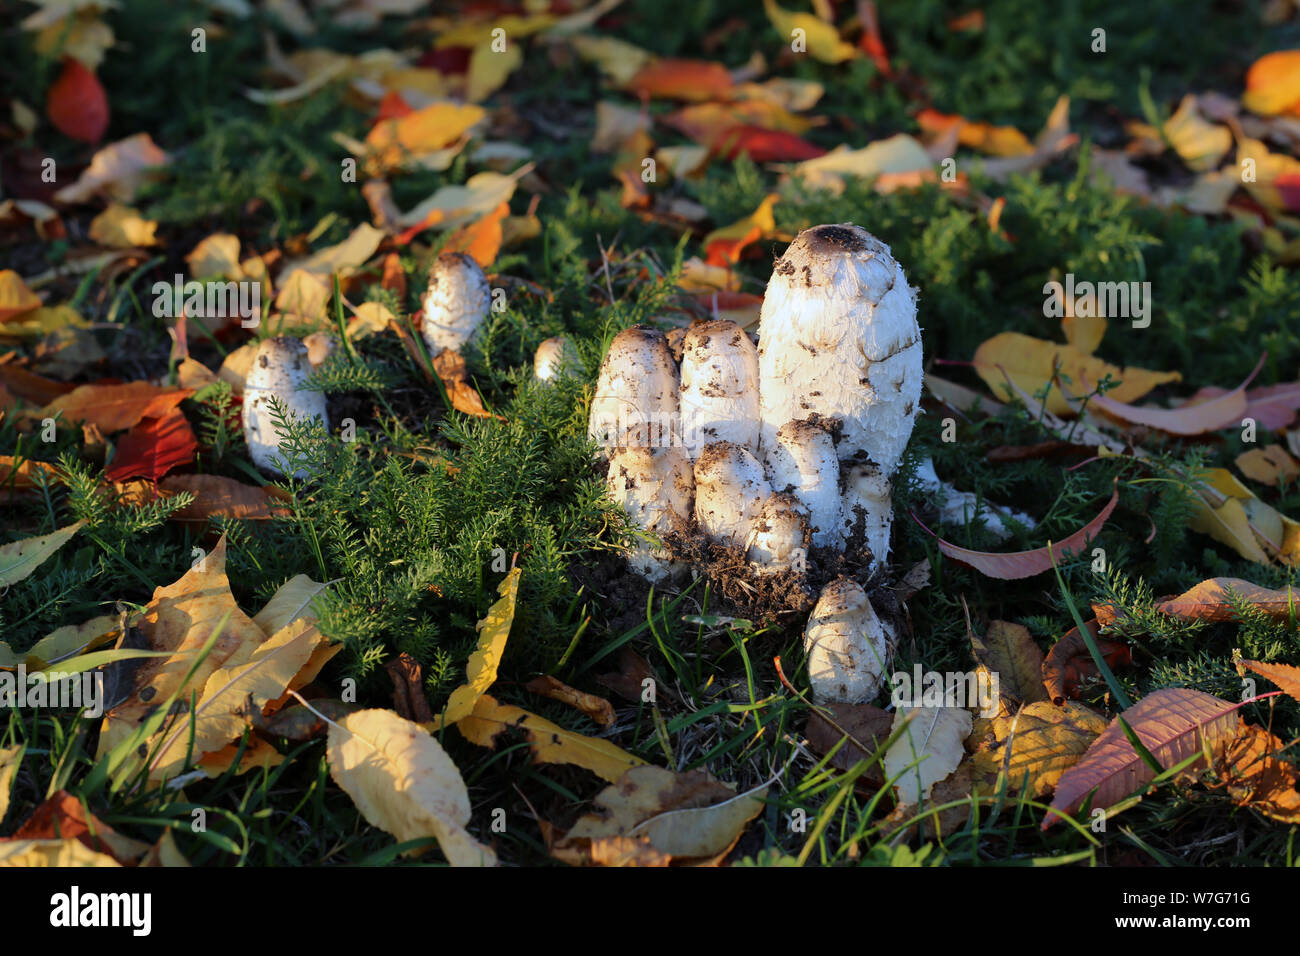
1273	83
1270	465
897	154
686	817
16	300
764	145
489	69
403	782
1054	138
985	137
1258	777
62	816
549	743
723	247
68	641
482	238
1031	363
394	143
928	749
694	80
450	369
629	681
867	727
1211	601
597	708
1229	512
481	669
117	170
1201	145
25	474
218	496
409	700
258	755
1009	566
1009	651
112	408
1069	661
1037	744
77	104
20	558
32	387
821	38
1222	412
293	600
1284	676
216	257
1172	724
11	759
617	59
154	447
122	227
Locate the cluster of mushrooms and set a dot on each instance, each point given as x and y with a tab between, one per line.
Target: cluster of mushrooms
776	448
770	449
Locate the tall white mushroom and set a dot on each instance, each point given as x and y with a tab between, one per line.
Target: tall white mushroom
802	460
730	489
838	337
719	397
636	393
279	366
848	648
655	487
456	302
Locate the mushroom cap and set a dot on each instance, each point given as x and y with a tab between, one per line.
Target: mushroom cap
802	460
636	392
279	367
719	391
456	302
730	489
838	337
554	357
655	486
778	539
848	649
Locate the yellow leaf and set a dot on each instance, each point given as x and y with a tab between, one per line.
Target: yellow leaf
489	70
1269	466
394	142
1200	144
292	601
353	251
616	59
217	256
481	671
10	759
47	320
303	296
19	559
15	298
1269	167
897	154
453	206
1031	362
927	750
118	170
258	755
84	38
550	743
71	640
372	318
60	853
122	227
1043	741
760	219
403	782
822	39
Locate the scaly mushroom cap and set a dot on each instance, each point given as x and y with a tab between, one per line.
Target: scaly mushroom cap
848	649
867	510
730	489
655	486
838	337
556	356
719	397
802	460
778	540
455	303
279	366
636	393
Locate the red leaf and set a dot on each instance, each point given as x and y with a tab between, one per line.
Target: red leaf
1210	416
1170	723
1024	564
696	80
393	106
77	104
447	60
153	448
766	145
1069	662
1288	184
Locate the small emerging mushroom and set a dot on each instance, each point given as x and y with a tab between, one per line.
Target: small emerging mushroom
554	357
848	647
636	393
655	487
802	460
719	397
866	510
279	367
455	303
778	540
730	489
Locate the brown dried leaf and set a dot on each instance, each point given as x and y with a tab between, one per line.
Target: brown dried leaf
1283	675
1270	465
1008	650
1069	661
597	708
1257	778
1208	601
867	727
408	689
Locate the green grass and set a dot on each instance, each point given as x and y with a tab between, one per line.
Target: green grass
408	521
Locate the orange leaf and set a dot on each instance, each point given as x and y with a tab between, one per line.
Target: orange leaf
1258	777
693	80
394	278
766	145
450	367
597	708
115	407
1208	601
1069	662
153	448
77	104
1024	564
1283	675
30	386
1270	465
1170	723
21	475
1273	83
215	496
481	238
